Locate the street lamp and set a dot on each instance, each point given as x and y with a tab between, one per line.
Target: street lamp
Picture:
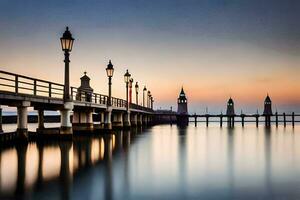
67	44
110	73
130	90
148	99
152	100
127	79
144	100
136	93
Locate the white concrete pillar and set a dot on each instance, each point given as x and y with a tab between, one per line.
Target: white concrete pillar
127	123
65	118
23	118
107	123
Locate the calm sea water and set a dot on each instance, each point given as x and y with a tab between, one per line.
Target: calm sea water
162	162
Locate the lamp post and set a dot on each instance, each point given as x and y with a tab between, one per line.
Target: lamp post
148	99
110	73
152	100
130	90
136	93
127	79
144	100
67	45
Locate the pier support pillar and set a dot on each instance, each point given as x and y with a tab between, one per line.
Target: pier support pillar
145	120
256	119
101	119
276	119
139	119
22	129
230	121
207	121
41	119
134	119
127	123
65	118
117	120
284	120
195	121
243	120
293	119
221	121
1	130
107	123
83	119
267	120
182	120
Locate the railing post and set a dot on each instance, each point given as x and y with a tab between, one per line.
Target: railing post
16	84
221	120
293	119
276	119
95	98
34	87
207	120
256	118
50	86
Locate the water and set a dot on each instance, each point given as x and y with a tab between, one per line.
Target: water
162	162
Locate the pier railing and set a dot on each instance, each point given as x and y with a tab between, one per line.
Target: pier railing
20	84
138	107
86	96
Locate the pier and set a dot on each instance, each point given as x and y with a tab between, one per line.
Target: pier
23	92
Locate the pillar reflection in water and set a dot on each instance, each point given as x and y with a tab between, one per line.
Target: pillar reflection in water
21	153
108	175
65	175
231	159
268	159
119	141
182	157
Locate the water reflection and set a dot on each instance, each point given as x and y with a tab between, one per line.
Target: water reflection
161	162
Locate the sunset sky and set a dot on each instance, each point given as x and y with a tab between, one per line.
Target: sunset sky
213	48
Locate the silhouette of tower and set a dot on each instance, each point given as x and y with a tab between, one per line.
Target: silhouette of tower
182	103
182	110
84	92
268	110
230	112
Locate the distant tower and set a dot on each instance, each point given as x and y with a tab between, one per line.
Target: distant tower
230	112
182	103
84	92
268	110
182	110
